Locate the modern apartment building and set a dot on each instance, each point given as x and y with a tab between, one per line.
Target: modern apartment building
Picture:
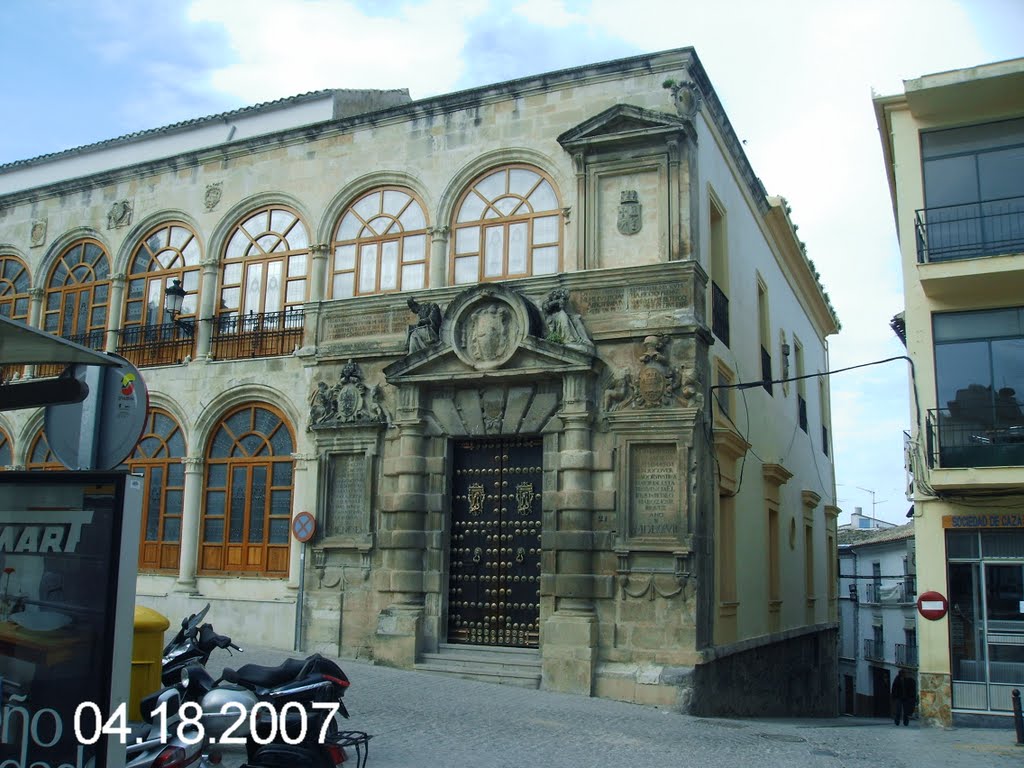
954	154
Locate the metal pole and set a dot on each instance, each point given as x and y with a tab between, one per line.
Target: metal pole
298	601
1018	720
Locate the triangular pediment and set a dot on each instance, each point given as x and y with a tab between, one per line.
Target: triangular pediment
622	123
534	358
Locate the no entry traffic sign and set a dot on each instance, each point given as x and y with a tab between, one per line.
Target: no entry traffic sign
932	605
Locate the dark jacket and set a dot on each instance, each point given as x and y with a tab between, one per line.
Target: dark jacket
904	688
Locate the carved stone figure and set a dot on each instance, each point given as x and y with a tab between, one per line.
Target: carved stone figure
426	332
619	390
377	410
656	384
563	325
322	407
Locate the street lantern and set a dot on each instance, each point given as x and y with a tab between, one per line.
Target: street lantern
174	297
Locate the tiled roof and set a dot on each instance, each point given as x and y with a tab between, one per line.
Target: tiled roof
174	127
861	536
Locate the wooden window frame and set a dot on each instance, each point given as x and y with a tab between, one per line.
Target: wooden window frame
73	276
401	237
159	555
505	221
40	447
262	558
254	252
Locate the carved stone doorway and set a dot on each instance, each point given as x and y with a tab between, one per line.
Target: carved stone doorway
494	571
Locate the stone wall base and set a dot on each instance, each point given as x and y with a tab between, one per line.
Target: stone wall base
794	676
570	653
396	642
651	684
936	694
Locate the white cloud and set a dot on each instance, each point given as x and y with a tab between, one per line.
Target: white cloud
547	13
285	47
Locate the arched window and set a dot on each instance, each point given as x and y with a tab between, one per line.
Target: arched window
39	454
508	223
147	337
248	494
14	286
170	252
77	294
157	457
266	264
380	245
6	454
14	302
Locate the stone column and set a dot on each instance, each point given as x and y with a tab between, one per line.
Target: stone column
207	308
35	313
570	633
438	258
303	498
319	254
402	539
579	162
115	308
190	524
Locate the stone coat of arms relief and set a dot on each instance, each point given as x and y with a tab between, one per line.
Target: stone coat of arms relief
655	383
348	402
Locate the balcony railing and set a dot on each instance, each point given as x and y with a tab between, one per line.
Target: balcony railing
981	436
874	650
906	655
93	339
953	232
890	592
719	313
146	345
766	370
256	335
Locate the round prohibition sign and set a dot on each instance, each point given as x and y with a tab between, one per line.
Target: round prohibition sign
303	527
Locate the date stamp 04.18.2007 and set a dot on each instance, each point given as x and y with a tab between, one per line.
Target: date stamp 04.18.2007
237	724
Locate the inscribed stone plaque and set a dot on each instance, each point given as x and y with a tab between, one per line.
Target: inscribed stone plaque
653	491
346	498
645	297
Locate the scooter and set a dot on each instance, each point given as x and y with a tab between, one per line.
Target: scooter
288	715
162	744
193	644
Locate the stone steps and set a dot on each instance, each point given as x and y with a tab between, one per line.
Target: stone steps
491	664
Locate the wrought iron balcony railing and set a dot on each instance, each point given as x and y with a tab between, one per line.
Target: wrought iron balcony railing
719	313
93	339
906	655
766	370
953	232
147	345
874	650
890	592
256	335
978	436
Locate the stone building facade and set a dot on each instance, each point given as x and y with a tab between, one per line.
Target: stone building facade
472	336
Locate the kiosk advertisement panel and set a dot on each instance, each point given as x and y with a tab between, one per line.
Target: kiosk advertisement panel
68	560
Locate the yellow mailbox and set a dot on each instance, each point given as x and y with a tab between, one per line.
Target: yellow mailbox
147	655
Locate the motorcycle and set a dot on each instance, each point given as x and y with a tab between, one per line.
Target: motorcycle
159	743
287	716
193	644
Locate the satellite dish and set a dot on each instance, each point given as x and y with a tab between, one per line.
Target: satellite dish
101	431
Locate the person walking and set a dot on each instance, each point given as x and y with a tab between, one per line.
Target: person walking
904	697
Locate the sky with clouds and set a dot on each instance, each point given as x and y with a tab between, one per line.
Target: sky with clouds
795	77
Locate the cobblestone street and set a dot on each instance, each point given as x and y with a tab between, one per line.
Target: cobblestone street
419	720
